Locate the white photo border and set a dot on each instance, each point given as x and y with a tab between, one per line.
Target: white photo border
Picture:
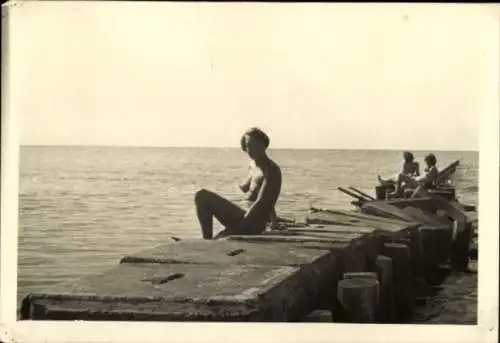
485	331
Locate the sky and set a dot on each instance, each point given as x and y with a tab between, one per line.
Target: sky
192	74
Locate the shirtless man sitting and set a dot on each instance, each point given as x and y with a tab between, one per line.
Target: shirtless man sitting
410	167
427	179
235	219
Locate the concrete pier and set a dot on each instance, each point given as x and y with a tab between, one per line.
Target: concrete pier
277	275
177	292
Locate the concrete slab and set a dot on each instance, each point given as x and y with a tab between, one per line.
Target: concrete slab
359	247
356	250
228	252
51	307
181	292
342	249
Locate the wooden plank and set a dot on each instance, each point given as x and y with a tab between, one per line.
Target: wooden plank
383	209
422	209
353	221
369	197
411	213
442	175
426	203
359	198
305	242
331	239
427	218
453	210
447	171
362	215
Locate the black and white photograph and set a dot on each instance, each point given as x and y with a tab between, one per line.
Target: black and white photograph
246	163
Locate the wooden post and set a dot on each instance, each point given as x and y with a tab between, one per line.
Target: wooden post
354	258
437	243
367	196
339	315
383	265
402	278
459	258
414	242
416	253
444	237
380	192
359	298
474	254
430	247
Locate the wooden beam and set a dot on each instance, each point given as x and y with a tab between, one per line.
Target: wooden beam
444	173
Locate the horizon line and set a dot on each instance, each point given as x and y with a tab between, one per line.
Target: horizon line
231	147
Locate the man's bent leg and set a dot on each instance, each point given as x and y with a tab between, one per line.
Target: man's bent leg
210	205
204	214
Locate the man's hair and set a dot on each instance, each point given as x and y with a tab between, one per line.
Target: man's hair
431	159
408	156
256	133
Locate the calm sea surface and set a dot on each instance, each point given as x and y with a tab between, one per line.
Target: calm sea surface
82	208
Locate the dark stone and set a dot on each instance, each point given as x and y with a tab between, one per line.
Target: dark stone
403	279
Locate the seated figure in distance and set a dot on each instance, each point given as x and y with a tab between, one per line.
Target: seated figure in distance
410	167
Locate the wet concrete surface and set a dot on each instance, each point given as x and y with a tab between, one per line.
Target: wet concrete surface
226	252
